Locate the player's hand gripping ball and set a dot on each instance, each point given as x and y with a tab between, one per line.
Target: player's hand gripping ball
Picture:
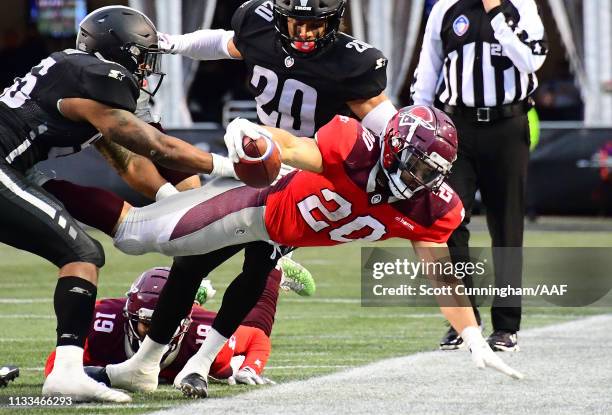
256	157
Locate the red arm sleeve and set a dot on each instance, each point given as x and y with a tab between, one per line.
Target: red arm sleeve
255	346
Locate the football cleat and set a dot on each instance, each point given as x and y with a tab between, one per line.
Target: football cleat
504	341
98	373
452	340
296	278
194	386
133	376
76	384
205	292
8	373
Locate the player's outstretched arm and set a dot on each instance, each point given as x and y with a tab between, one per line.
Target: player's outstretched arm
458	310
127	130
301	153
203	45
137	171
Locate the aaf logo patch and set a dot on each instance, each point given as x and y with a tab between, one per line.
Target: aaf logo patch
118	75
461	25
289	61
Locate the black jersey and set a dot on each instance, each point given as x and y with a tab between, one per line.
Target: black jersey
31	126
301	95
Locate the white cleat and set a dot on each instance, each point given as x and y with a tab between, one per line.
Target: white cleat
133	376
80	387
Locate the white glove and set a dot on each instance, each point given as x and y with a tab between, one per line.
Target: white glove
222	167
482	354
247	376
166	43
238	129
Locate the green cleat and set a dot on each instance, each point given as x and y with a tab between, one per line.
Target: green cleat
205	292
296	278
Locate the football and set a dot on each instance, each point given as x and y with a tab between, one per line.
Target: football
261	164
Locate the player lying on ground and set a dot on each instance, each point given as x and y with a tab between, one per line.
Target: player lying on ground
120	325
351	186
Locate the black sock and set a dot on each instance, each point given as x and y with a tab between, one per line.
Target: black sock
175	301
176	298
244	292
74	301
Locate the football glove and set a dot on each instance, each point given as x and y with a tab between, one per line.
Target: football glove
235	132
166	43
248	376
482	354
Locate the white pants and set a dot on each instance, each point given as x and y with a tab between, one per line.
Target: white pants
224	212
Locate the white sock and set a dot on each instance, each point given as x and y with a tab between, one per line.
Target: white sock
210	348
150	352
68	357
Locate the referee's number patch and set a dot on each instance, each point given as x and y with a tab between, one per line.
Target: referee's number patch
461	25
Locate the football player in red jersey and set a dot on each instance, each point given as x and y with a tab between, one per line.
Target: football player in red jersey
120	325
350	186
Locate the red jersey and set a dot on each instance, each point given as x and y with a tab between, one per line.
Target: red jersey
347	203
105	342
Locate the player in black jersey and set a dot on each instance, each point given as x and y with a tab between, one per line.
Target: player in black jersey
303	71
56	109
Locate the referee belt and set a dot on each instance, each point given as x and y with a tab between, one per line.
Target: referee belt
488	114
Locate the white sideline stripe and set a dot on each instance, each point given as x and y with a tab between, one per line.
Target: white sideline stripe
24	300
419	383
30	198
307	367
27	316
26	340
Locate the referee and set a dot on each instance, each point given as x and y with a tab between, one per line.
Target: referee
478	64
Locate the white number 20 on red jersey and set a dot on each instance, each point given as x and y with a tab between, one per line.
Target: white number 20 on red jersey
341	234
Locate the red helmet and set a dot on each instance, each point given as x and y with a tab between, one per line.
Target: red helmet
418	149
142	299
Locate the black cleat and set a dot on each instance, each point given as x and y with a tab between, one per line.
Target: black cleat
8	373
504	341
194	386
98	373
451	340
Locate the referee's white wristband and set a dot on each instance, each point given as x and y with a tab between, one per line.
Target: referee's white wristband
165	191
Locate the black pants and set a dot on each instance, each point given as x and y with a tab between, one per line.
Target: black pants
33	220
493	158
240	297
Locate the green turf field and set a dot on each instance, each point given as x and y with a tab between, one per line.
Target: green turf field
312	336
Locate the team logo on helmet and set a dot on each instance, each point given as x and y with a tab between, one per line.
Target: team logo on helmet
420	115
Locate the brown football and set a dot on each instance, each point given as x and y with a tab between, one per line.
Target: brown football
260	166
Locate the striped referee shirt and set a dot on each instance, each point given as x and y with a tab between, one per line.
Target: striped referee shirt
474	59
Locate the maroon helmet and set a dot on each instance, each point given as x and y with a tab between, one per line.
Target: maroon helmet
418	149
142	299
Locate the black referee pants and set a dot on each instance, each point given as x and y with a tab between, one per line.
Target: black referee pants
492	158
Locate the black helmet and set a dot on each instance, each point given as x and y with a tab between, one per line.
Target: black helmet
123	35
328	12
